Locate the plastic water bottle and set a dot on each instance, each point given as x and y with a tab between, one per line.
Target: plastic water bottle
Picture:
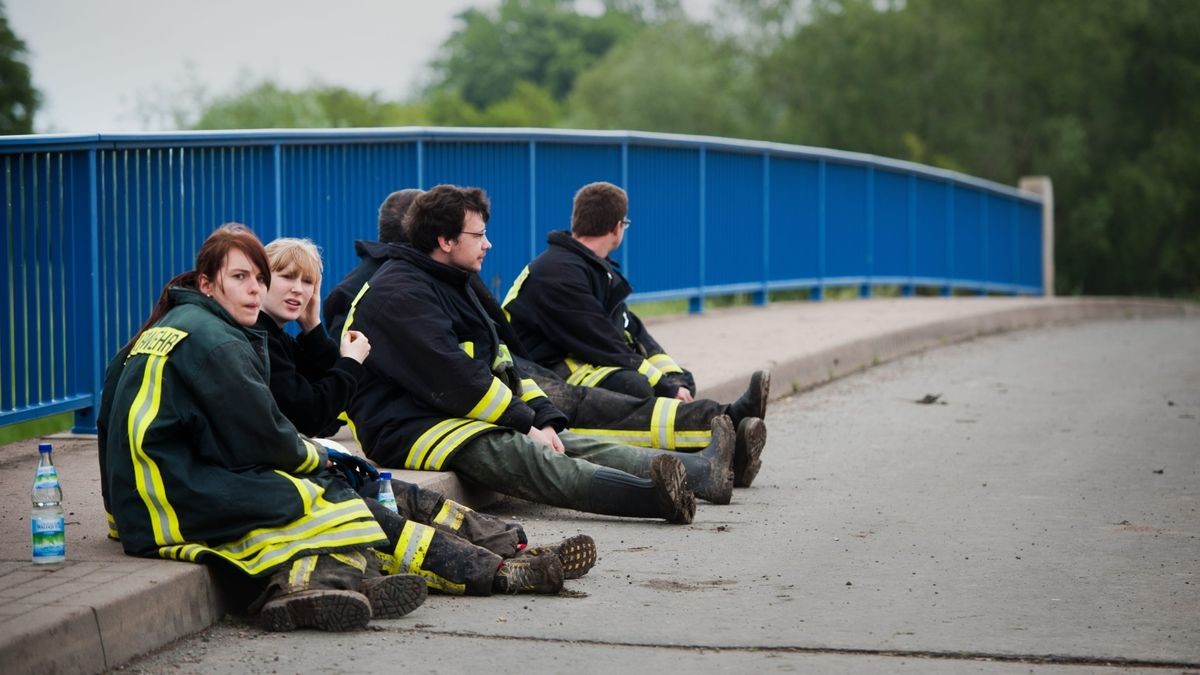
386	496
47	520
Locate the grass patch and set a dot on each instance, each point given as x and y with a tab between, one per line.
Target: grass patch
24	431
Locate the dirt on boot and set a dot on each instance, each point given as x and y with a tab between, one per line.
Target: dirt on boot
676	501
394	596
751	439
577	554
324	609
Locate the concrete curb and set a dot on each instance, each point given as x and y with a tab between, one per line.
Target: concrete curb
826	365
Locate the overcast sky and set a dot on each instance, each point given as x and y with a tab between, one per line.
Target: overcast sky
94	60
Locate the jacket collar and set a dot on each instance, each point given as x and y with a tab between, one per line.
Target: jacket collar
371	250
563	239
422	261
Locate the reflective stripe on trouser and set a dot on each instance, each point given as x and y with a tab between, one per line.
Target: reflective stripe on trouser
447	562
431	508
513	464
621	418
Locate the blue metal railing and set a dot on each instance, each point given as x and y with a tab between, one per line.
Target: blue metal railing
94	225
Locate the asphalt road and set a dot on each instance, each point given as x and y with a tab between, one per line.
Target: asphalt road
1040	515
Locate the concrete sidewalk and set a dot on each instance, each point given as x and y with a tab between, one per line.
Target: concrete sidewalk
103	608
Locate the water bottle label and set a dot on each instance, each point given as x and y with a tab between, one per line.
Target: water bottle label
45	478
389	501
49	536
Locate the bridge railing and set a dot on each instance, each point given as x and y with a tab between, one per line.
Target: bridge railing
94	225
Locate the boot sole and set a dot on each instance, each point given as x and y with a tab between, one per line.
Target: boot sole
751	439
327	610
578	555
719	488
764	390
669	477
394	596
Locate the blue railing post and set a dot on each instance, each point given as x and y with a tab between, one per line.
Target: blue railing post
864	289
87	285
818	292
696	303
761	296
909	289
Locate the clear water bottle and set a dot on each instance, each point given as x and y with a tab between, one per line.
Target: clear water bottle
386	496
47	520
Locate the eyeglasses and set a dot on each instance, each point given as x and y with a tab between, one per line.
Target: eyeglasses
478	235
626	222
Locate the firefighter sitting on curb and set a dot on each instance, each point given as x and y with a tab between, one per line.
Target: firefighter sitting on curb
650	422
568	309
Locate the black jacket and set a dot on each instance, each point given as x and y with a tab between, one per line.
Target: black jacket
437	376
310	379
335	306
570	303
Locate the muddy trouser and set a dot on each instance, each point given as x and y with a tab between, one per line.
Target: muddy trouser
651	422
447	562
593	475
432	508
343	571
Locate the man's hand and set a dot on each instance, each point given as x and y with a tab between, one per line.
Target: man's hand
310	316
355	346
548	437
683	394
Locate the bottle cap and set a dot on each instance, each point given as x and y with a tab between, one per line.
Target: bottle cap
385	475
43	447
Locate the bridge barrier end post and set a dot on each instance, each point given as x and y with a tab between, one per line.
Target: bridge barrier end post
1042	185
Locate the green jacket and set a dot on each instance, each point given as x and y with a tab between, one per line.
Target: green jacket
199	461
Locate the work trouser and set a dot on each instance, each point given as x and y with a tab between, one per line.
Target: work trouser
649	421
447	562
432	508
513	464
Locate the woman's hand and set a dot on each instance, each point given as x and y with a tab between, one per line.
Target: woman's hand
310	316
355	346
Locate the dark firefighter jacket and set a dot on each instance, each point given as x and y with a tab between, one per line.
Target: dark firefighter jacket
437	375
311	380
199	461
568	305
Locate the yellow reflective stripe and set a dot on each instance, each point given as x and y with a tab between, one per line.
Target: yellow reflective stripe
692	439
355	534
503	358
513	291
354	305
652	374
665	363
494	402
626	437
468	347
353	559
662	423
301	572
426	441
409	557
451	515
587	375
345	417
112	526
312	457
163	520
530	390
450	443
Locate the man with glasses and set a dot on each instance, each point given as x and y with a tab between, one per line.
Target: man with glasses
568	309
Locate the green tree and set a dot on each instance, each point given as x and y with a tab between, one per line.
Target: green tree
546	43
19	100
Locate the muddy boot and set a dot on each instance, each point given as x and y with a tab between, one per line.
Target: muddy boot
577	554
674	497
751	439
752	403
662	494
392	597
529	574
709	472
323	609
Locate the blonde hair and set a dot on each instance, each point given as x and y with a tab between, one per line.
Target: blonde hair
286	253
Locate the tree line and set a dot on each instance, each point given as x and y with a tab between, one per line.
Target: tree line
1103	96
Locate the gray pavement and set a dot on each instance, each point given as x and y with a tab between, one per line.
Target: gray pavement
102	608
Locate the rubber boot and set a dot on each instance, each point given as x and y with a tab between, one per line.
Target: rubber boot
709	472
538	572
753	402
577	554
616	493
751	439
